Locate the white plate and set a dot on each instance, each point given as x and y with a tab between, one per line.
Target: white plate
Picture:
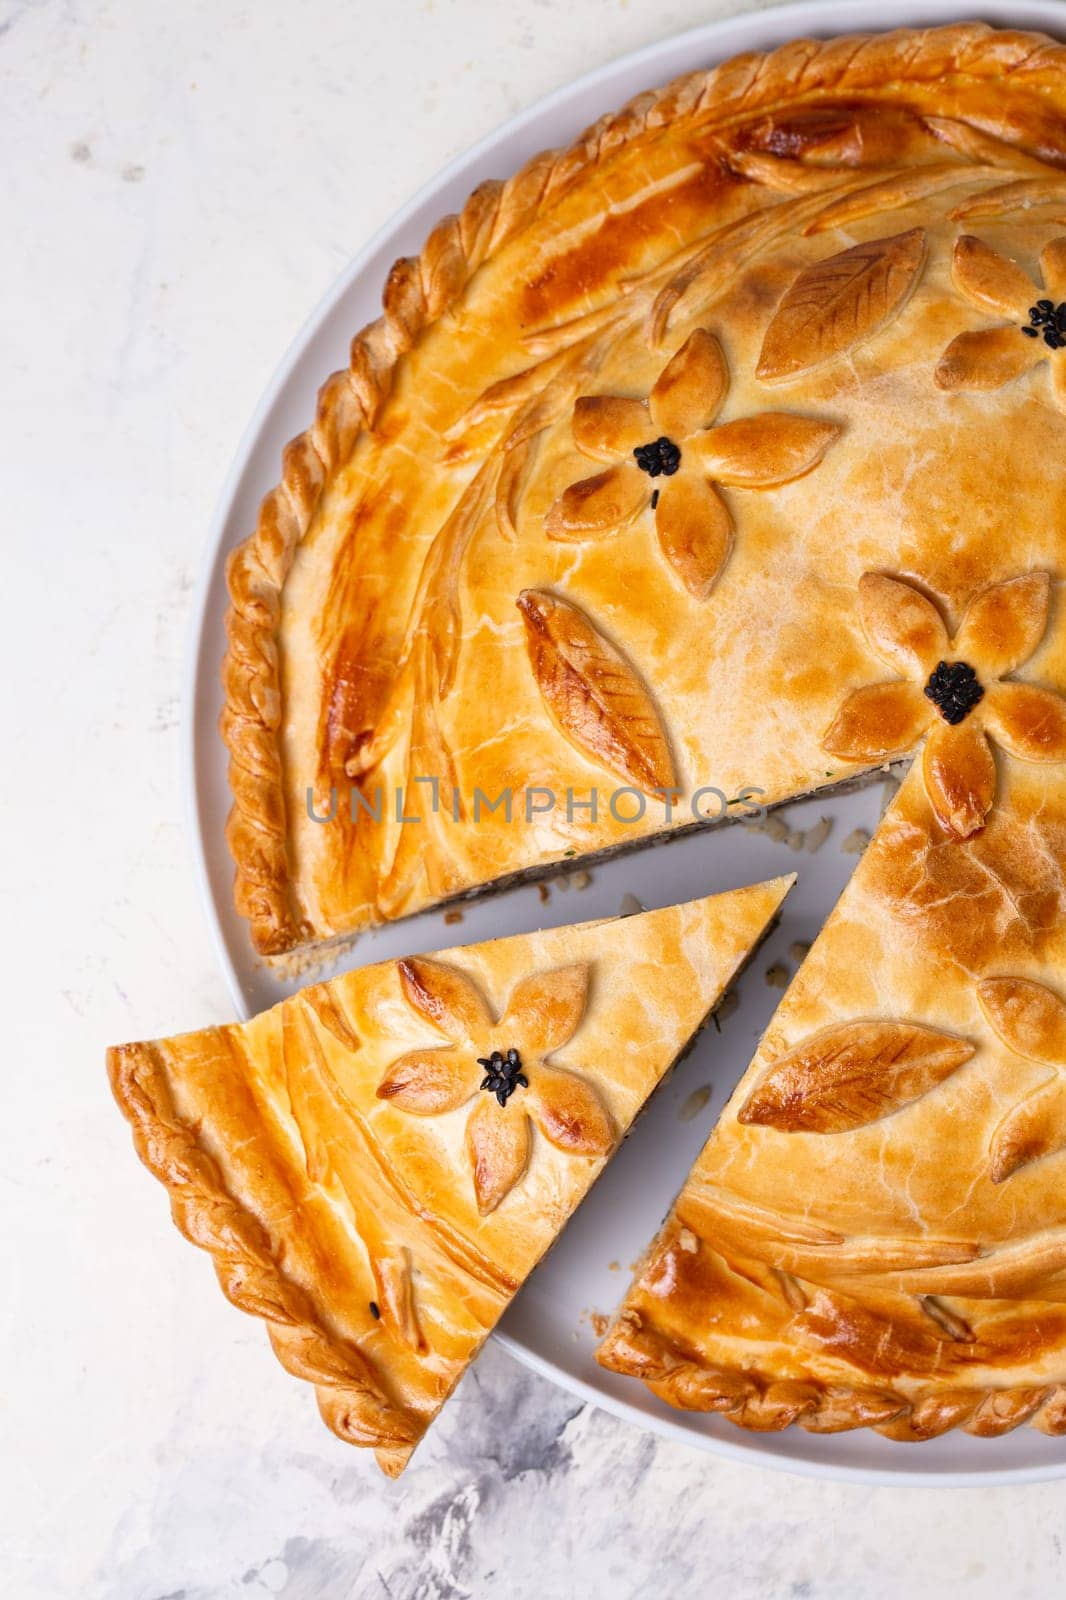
549	1325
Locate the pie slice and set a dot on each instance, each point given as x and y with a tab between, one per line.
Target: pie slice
875	1233
378	1163
573	552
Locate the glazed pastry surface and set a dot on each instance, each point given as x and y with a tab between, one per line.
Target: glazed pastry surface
875	1232
722	453
377	1163
592	508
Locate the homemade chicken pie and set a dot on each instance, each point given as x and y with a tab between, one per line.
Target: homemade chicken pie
378	1163
590	538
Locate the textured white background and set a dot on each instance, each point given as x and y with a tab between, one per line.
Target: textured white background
181	183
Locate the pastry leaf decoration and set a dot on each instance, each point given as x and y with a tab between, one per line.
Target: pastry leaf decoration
543	1013
1020	194
852	1074
836	303
395	1285
1030	1020
1035	1127
1027	1017
887	194
498	1149
592	693
325	1004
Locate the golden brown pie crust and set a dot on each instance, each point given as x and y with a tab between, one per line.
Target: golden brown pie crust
875	1232
447	474
358	1188
723	450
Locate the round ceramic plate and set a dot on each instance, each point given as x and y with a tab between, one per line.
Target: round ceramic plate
552	1324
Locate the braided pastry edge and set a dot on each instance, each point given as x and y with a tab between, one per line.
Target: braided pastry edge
351	1398
767	1405
419	289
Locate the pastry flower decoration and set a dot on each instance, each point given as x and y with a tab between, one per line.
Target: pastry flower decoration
664	452
503	1065
952	690
1034	332
1031	1021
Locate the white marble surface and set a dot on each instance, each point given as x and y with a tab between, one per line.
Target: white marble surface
182	182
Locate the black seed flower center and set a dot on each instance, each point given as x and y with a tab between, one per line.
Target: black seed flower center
661	456
954	690
503	1074
1048	319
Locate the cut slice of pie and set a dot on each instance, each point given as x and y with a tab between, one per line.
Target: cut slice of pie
378	1163
572	552
875	1233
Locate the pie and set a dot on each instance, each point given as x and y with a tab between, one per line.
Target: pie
875	1233
631	432
714	460
377	1163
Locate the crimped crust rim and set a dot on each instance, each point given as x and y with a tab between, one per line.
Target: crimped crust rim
353	1400
762	1403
